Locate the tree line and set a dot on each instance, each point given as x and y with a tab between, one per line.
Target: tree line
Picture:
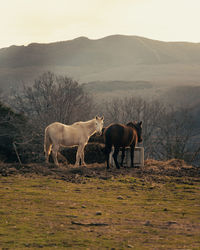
168	132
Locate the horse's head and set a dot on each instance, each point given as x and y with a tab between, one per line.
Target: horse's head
99	124
138	127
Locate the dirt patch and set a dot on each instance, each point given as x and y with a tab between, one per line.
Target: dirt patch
152	170
173	167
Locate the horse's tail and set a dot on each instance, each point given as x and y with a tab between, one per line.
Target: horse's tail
47	143
107	141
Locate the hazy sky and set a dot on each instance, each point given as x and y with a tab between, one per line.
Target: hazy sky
43	21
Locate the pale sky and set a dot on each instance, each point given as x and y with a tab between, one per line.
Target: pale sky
44	21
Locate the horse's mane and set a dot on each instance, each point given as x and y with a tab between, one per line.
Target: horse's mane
82	122
76	123
132	124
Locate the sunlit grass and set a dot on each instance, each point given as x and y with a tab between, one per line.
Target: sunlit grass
118	213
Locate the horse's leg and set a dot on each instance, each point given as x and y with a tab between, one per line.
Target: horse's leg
47	153
115	157
132	154
82	157
55	149
47	147
123	155
78	155
108	149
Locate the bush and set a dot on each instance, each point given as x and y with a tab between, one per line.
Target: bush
11	128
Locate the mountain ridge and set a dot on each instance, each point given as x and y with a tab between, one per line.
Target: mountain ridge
132	49
115	57
97	39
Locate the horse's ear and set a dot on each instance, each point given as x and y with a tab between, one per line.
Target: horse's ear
96	117
102	118
140	123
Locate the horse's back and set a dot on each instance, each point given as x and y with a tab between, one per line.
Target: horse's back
112	133
55	130
65	135
118	135
55	127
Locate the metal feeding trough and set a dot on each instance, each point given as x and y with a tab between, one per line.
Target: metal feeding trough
138	157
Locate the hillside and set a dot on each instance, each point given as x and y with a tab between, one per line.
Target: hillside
123	58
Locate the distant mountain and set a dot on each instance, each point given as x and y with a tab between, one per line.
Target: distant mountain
117	57
109	51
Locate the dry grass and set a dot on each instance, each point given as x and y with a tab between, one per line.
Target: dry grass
96	209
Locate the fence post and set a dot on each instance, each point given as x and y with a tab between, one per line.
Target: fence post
15	148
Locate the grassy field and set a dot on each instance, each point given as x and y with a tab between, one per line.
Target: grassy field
119	212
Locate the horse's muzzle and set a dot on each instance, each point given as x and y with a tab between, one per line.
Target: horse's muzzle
99	133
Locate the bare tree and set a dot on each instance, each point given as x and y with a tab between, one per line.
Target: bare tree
54	98
11	128
168	132
177	136
151	116
123	109
51	98
136	108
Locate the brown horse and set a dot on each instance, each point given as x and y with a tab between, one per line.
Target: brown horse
122	136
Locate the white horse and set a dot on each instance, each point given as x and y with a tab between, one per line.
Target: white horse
77	134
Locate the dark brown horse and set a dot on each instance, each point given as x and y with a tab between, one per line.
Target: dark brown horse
122	136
